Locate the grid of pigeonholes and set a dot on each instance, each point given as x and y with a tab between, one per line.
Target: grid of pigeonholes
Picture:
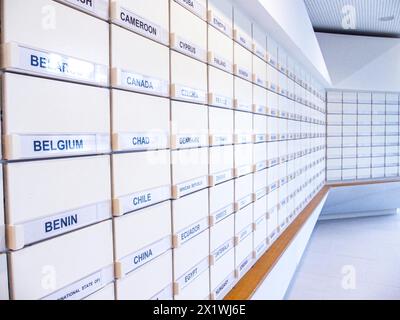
153	149
362	135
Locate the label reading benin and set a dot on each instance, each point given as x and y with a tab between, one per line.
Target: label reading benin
145	255
57	65
223	213
190	232
194	6
84	287
191	186
223	288
138	82
143	199
36	146
142	141
188	48
96	7
141	26
48	227
189	94
193	273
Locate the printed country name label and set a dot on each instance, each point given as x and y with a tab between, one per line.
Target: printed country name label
242	39
189	94
273	186
223	249
259	51
244	265
260	109
222	176
142	199
243	170
261	137
273	137
221	139
194	6
243	73
244	233
191	186
261	165
244	138
193	273
144	255
244	202
141	141
48	227
260	193
221	214
273	87
96	7
182	141
260	220
190	232
55	65
84	287
271	60
259	81
38	146
138	24
141	83
222	289
188	48
220	62
165	294
219	24
221	101
261	248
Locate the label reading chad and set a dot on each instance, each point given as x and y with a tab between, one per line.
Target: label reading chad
191	186
84	287
143	199
37	146
145	255
49	227
189	94
96	7
138	82
57	65
192	231
188	48
194	6
193	273
142	141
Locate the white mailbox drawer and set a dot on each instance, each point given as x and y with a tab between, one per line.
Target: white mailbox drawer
35	127
63	195
221	201
221	124
272	154
260	43
260	128
222	238
140	179
189	217
243	95
189	171
78	273
220	87
142	18
153	281
260	208
272	104
188	78
190	261
222	275
129	51
105	294
221	164
67	51
135	128
243	191
2	227
141	236
259	72
189	41
3	278
198	289
220	50
243	159
260	236
189	125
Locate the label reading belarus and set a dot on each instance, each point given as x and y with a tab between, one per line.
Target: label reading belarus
142	26
193	273
194	6
84	287
223	213
53	64
139	258
189	94
37	146
192	231
143	199
188	48
97	7
191	186
142	141
142	83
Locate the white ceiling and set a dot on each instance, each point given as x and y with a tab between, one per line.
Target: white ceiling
327	15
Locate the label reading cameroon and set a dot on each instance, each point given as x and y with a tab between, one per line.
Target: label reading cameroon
143	83
142	26
57	65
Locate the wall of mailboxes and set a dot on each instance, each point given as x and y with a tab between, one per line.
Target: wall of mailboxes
143	158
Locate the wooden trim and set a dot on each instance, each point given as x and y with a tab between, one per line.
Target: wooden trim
251	281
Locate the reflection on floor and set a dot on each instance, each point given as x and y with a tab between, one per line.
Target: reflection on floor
350	259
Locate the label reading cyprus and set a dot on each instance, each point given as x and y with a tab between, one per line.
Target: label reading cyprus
142	83
57	65
188	48
96	7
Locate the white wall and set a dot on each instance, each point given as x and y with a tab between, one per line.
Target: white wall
362	63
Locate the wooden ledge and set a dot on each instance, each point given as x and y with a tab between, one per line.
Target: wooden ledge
251	281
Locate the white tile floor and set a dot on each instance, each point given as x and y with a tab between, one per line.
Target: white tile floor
350	259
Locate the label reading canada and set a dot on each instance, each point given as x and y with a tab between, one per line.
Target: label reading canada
193	273
143	199
188	48
84	287
96	7
192	231
141	26
192	186
138	82
57	65
194	6
189	94
142	141
49	227
145	255
36	146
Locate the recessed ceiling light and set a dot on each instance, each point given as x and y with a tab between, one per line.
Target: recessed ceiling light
386	19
